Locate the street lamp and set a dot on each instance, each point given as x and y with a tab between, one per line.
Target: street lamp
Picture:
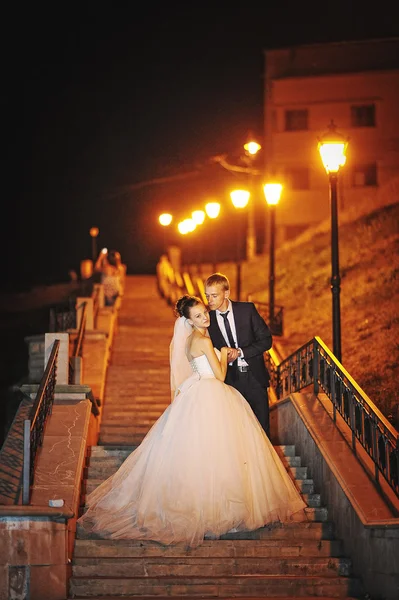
212	209
94	231
165	219
272	193
332	148
198	216
240	199
251	149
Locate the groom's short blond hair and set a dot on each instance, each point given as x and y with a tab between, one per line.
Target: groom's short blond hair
218	279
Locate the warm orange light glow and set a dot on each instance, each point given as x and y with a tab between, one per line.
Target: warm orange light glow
186	226
182	227
94	231
165	219
240	198
198	216
212	209
252	147
332	148
272	193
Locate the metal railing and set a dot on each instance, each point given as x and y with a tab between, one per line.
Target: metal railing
314	364
78	342
172	284
62	317
34	426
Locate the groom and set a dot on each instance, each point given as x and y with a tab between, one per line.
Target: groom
240	326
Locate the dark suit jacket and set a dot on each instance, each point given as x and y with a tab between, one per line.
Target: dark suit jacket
253	336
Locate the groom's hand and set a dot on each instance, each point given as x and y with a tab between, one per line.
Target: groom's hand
232	354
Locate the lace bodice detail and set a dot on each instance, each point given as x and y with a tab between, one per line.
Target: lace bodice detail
201	365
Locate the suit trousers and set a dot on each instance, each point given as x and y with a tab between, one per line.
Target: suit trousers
254	393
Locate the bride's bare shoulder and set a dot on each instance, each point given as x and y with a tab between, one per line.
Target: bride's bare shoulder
199	343
205	342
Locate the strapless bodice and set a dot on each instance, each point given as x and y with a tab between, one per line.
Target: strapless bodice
201	365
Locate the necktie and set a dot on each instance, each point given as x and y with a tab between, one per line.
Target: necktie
228	329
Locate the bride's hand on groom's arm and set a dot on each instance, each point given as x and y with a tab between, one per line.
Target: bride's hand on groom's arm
233	354
224	351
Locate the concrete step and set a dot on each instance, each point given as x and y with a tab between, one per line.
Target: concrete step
126	438
312	500
285	450
305	486
217	549
132	411
220	587
204	597
209	567
136	399
308	530
291	461
109	450
299	472
124	428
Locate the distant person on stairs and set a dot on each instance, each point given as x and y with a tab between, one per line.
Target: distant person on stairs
206	467
109	266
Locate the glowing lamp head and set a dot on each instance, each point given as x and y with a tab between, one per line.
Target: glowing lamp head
186	226
239	198
94	231
272	193
182	227
252	148
198	216
212	209
332	148
165	219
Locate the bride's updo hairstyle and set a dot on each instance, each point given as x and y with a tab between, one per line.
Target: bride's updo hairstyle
183	305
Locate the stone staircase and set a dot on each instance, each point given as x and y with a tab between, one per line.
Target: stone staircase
295	560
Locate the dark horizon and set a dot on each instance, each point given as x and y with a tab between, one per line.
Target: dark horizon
104	99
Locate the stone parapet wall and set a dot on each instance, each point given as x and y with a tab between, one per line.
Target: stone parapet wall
36	541
367	522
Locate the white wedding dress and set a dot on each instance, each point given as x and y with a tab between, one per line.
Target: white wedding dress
205	467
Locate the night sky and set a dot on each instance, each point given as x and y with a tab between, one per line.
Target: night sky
99	98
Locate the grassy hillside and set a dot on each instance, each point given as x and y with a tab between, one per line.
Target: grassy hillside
369	264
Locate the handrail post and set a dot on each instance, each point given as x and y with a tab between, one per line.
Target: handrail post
278	382
315	367
26	463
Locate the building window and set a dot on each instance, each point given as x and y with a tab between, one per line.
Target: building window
296	120
363	115
298	178
364	175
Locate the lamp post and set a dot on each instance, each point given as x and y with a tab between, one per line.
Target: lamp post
240	199
94	231
332	148
251	149
186	226
212	209
272	193
165	219
198	216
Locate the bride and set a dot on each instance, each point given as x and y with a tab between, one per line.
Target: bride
206	467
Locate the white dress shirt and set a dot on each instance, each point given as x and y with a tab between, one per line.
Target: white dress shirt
230	317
